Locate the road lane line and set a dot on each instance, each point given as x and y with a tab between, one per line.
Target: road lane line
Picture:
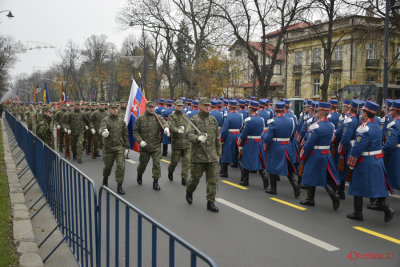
166	161
235	185
287	203
388	238
131	161
307	238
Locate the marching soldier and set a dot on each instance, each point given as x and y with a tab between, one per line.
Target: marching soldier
44	130
206	150
59	123
147	133
242	108
366	162
91	108
95	122
180	146
229	135
76	122
116	144
319	168
31	119
194	110
165	113
263	113
253	155
281	152
217	114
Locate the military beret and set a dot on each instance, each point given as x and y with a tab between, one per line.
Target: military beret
150	104
114	104
205	101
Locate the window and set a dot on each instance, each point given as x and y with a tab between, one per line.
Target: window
370	79
317	55
371	54
298	58
338	52
316	86
307	57
297	87
398	53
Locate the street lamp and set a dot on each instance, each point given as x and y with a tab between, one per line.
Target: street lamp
9	15
395	7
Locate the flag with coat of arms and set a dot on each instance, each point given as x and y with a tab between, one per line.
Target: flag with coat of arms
136	106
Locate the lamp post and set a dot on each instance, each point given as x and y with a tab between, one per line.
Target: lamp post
9	15
395	7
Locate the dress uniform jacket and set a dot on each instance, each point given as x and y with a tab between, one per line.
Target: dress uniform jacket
229	135
350	125
317	154
391	150
219	116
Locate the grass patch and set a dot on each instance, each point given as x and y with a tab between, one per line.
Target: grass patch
8	255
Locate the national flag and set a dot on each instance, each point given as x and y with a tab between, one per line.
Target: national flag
45	94
35	92
62	92
136	106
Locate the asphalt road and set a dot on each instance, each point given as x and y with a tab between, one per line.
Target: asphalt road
252	229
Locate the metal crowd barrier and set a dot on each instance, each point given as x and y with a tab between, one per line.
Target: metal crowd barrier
80	216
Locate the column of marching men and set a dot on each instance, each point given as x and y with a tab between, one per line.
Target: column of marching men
322	147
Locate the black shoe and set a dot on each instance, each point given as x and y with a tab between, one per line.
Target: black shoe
120	190
336	202
170	176
308	202
211	206
244	182
189	197
139	179
223	175
271	191
80	161
389	213
303	186
375	206
155	185
356	216
164	154
127	157
184	181
342	195
105	181
296	190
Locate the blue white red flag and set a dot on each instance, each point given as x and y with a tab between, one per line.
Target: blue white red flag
136	106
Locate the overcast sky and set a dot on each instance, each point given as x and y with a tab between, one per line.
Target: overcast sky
55	22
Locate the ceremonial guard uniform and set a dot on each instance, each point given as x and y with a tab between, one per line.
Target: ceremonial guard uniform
263	113
253	154
216	113
242	108
279	149
194	110
366	160
229	135
319	168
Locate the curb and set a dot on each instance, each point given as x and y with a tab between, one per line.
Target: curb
24	238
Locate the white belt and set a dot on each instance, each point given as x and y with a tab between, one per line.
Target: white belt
322	147
253	137
371	153
398	145
266	128
234	130
281	139
352	142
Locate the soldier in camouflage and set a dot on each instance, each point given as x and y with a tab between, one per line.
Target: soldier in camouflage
95	122
121	114
179	142
44	130
76	122
147	133
59	122
30	119
206	151
116	144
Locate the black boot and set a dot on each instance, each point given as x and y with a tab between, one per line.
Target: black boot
189	197
170	176
272	181
389	212
357	214
224	170
296	189
105	181
80	161
301	186
334	197
139	179
341	193
377	204
235	165
310	197
165	149
73	156
155	185
184	181
264	179
211	206
245	178
120	190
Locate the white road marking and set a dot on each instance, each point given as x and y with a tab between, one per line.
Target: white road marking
131	161
279	226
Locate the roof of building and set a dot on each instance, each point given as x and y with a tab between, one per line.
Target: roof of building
299	25
269	50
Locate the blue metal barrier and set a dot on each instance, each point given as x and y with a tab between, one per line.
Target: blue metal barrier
127	225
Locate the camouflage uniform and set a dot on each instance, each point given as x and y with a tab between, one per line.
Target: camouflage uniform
44	130
59	120
204	156
114	145
95	122
76	122
147	129
31	120
179	143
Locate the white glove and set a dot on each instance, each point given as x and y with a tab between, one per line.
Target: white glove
58	126
105	133
126	152
181	130
202	138
143	144
86	127
93	131
68	131
65	129
166	131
